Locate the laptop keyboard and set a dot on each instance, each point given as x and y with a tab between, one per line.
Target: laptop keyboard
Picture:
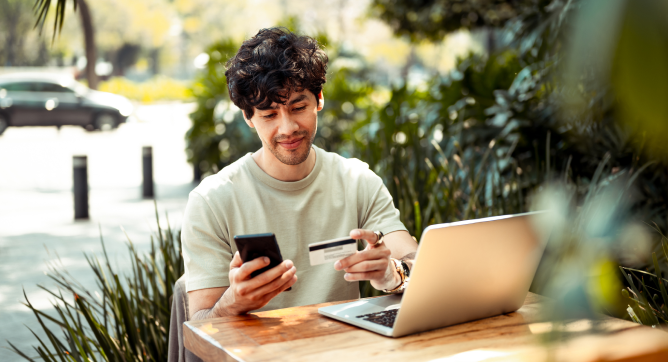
384	318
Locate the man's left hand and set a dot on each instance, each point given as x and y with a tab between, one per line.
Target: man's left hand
373	263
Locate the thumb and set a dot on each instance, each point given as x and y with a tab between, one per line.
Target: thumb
236	261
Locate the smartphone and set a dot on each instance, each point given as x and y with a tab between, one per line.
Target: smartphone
254	246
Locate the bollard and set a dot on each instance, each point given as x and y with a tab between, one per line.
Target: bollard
147	161
197	174
80	172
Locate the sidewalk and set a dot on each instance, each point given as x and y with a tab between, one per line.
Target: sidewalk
24	257
36	206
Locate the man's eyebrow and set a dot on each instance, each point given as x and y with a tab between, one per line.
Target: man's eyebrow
298	99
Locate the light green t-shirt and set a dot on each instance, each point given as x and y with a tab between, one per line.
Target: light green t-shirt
337	196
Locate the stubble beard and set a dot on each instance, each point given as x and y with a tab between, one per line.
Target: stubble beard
296	156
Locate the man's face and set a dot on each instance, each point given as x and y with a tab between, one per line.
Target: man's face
287	130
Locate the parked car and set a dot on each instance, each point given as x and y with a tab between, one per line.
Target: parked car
41	99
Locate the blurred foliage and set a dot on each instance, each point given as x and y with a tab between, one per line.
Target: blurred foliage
42	9
539	101
20	46
156	89
433	19
617	64
626	47
129	321
418	138
219	133
647	293
589	225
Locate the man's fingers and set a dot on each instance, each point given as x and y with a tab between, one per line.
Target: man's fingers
368	254
271	274
367	266
363	234
250	266
275	285
351	277
252	286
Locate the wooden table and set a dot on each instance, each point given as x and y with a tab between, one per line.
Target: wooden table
301	334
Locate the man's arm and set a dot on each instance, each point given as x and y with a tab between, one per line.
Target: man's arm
402	245
244	293
202	302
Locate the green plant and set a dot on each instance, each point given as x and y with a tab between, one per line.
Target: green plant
129	321
541	43
590	224
218	134
433	19
445	185
647	293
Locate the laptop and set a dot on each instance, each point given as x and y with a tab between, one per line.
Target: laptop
463	271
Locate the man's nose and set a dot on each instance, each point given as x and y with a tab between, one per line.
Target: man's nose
287	125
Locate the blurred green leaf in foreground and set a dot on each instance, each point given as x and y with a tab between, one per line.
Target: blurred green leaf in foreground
623	45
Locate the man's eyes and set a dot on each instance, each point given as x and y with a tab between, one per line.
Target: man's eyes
272	115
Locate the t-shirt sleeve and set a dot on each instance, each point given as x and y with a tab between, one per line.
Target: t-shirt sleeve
206	252
380	212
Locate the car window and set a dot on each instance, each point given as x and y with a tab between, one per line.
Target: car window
20	87
51	87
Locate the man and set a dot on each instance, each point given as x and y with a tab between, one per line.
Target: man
291	188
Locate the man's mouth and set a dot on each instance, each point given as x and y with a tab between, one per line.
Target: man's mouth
291	144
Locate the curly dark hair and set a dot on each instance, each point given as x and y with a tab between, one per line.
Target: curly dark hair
271	65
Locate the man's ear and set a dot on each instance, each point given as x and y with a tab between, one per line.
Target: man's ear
321	101
248	121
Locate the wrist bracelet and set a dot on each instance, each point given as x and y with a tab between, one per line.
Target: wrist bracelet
402	286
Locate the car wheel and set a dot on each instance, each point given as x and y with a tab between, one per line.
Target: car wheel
105	122
4	123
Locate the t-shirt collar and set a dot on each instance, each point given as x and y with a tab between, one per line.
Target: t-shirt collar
286	185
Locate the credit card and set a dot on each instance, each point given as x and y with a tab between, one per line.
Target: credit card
331	250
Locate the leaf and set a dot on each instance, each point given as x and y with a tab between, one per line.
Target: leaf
664	293
418	219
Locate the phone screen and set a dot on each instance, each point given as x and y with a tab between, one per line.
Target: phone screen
258	245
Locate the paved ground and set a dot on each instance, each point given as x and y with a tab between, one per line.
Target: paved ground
36	204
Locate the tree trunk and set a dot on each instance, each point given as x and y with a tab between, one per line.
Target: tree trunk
13	37
89	42
490	42
410	61
155	61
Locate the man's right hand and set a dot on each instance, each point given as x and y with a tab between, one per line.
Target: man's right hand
245	293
